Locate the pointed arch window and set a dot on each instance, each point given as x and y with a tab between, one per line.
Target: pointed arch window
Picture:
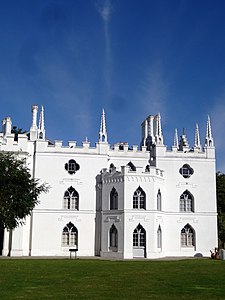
139	199
131	166
159	237
147	169
70	236
71	199
113	238
139	236
186	202
187	236
111	167
113	199
159	200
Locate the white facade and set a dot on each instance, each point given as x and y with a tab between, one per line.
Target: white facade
115	201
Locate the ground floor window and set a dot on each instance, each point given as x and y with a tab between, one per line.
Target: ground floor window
70	236
159	237
139	241
113	238
187	236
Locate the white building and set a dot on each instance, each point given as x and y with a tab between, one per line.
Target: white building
117	201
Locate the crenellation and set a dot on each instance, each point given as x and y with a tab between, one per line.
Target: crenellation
72	144
58	143
134	148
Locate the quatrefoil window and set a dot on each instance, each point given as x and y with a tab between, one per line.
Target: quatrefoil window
72	166
186	171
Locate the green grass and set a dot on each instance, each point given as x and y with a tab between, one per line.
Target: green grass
100	279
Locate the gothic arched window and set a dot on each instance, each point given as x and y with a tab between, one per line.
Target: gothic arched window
139	237
187	236
113	199
131	166
159	200
71	199
139	199
113	238
186	202
70	235
159	237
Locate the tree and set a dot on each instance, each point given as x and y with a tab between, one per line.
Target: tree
220	193
19	192
16	130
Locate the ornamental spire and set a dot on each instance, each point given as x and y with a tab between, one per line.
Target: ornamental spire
197	138
102	132
209	139
41	126
158	130
175	141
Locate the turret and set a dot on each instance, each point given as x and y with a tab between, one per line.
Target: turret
152	131
183	144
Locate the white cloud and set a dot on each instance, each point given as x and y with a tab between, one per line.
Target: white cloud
105	10
153	91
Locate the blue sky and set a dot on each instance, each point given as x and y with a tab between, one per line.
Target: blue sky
131	57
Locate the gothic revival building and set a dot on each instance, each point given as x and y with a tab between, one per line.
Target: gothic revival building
121	202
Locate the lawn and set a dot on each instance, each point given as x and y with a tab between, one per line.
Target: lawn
101	279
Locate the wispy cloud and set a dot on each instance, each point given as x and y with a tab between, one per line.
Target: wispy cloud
105	10
153	90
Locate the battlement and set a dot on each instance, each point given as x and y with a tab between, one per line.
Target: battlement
152	141
11	142
100	148
116	174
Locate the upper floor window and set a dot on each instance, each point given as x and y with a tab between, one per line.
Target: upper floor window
139	199
186	171
147	169
159	200
113	199
72	166
132	166
111	167
71	199
186	202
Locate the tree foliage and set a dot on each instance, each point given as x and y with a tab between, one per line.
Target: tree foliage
220	191
16	130
19	192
